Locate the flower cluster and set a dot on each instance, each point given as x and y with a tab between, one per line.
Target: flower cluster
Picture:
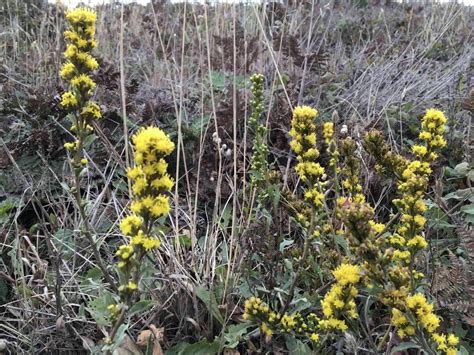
386	160
412	185
77	70
433	127
339	302
258	163
271	322
419	311
150	184
351	171
303	144
328	132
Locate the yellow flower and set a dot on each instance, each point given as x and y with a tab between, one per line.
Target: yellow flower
91	110
67	70
377	227
124	252
419	220
266	330
69	146
417	242
128	288
150	243
87	60
419	150
347	274
69	100
153	141
453	340
160	207
163	183
130	224
139	186
305	112
83	83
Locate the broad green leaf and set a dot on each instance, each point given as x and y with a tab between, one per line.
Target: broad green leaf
462	168
468	209
464	194
140	307
235	333
98	308
210	301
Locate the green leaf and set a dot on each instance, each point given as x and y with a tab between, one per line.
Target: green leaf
98	308
140	307
89	140
285	243
405	346
459	195
470	175
462	168
468	209
210	301
235	333
184	240
6	208
296	346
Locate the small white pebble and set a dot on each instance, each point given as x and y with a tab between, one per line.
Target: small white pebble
344	129
211	178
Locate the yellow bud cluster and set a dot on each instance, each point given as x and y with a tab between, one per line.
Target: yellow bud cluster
328	132
271	322
351	171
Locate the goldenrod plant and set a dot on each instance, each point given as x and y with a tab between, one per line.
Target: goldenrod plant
82	109
380	257
150	185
